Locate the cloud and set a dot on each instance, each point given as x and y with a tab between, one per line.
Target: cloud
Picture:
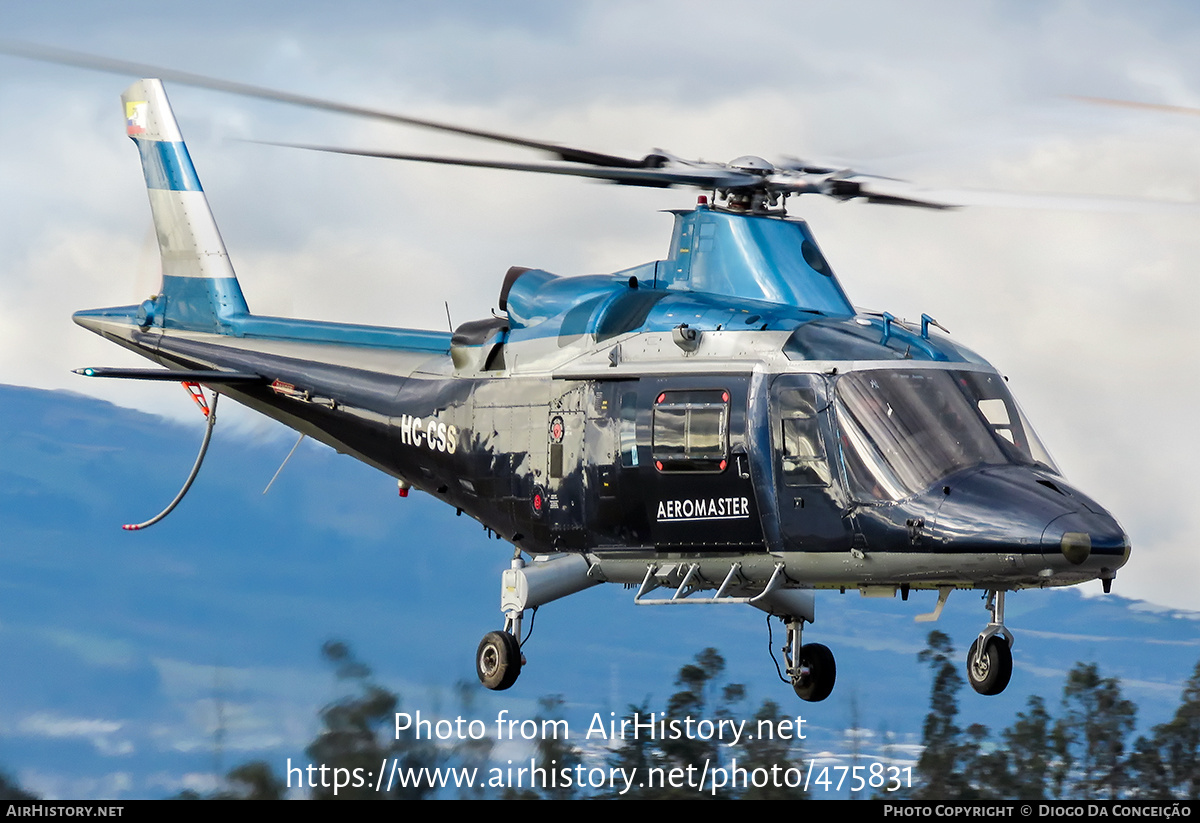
99	733
58	786
92	648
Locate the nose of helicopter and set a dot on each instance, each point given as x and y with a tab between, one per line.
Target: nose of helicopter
1086	539
1027	511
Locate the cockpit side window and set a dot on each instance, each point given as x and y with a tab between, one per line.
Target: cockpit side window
802	455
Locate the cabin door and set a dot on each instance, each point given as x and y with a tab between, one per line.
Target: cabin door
811	502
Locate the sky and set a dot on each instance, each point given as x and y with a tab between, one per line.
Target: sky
1089	313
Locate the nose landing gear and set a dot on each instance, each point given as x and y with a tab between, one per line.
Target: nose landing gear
811	667
989	660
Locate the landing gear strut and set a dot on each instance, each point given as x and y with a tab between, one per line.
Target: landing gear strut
989	661
498	660
811	667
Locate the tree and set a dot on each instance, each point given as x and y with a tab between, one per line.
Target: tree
255	780
943	753
692	700
555	753
764	752
698	698
358	734
985	768
1181	740
1062	760
1149	773
10	790
1168	764
634	756
471	753
1097	722
1029	752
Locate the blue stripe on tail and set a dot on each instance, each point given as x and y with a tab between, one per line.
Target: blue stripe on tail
167	165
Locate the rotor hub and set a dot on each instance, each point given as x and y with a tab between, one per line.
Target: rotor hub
752	164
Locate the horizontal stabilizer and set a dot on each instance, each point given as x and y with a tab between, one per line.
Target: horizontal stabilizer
193	376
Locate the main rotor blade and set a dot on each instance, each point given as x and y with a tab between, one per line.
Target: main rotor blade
1132	104
828	165
882	190
51	54
705	178
1062	202
900	193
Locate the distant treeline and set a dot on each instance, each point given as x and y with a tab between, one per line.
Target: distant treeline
1082	752
1084	749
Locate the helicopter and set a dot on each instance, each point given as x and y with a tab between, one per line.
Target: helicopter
722	426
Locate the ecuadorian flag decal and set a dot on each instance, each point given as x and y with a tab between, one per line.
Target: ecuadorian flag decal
135	116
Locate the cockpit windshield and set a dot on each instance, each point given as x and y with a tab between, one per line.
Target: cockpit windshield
906	429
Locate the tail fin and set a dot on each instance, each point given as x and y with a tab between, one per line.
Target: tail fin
199	291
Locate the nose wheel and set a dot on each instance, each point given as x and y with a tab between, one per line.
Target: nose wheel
989	660
811	667
813	681
989	665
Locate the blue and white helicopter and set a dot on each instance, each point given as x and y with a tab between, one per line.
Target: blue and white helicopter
720	427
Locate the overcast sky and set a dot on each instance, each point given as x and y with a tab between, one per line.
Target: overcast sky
1091	314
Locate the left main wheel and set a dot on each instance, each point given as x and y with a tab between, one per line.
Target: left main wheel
498	660
990	672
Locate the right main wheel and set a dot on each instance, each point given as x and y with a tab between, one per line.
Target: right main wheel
822	672
498	660
991	672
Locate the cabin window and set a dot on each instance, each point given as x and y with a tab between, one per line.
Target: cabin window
691	431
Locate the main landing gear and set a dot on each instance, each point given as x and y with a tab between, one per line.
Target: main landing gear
811	667
498	660
989	661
